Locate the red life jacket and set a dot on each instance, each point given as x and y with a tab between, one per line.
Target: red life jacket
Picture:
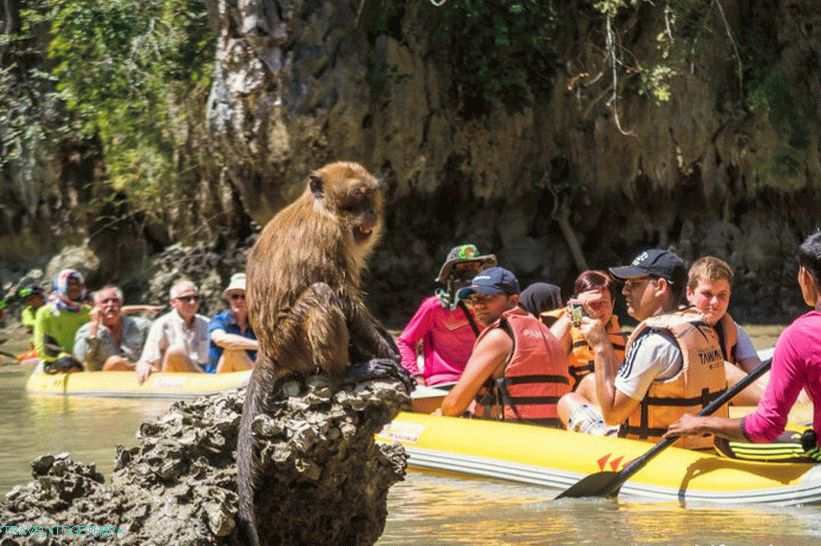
535	374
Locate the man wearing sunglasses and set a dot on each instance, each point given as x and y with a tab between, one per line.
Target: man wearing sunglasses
517	370
110	341
232	344
673	362
178	340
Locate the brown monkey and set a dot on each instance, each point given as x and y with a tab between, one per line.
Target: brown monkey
304	299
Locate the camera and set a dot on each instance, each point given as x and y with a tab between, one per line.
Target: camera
577	312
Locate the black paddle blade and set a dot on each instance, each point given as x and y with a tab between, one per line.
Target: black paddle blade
600	484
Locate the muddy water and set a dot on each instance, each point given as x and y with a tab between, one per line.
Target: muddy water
426	508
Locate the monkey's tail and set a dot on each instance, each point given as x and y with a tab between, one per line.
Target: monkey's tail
247	465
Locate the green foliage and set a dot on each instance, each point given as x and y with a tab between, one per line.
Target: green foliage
499	52
655	82
132	70
770	94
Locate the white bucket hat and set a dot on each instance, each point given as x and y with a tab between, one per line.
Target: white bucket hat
237	282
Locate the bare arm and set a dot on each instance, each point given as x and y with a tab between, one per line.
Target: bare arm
561	330
489	355
223	339
614	404
692	425
134	309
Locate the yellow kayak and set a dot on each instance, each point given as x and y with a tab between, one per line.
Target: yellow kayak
124	384
559	458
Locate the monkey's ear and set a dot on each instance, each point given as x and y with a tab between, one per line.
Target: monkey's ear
315	184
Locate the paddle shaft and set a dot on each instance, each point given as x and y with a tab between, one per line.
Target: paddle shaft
709	409
612	482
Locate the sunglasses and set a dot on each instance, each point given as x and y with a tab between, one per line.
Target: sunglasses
189	299
237	296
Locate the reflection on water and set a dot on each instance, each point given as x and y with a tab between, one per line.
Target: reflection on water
443	509
89	428
427	508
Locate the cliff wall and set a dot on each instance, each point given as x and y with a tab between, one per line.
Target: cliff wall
558	136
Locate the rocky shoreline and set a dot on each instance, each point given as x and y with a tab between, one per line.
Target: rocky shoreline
323	478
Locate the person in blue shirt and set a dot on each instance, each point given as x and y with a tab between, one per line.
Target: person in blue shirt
232	344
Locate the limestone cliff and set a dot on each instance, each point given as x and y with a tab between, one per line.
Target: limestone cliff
714	148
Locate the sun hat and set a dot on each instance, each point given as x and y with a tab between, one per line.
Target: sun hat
28	291
237	282
492	281
656	263
464	253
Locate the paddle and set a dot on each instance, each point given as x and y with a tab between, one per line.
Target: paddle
607	484
4	353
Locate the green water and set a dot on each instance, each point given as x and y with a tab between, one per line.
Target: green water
426	508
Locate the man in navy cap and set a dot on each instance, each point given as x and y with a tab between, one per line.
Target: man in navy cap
673	363
516	368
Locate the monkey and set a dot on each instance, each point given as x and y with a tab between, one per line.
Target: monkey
304	299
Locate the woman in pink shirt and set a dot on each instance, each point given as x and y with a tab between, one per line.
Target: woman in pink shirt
443	323
796	365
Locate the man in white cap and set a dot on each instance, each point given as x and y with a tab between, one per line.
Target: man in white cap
232	344
178	340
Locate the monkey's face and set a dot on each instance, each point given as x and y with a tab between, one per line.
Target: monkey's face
353	196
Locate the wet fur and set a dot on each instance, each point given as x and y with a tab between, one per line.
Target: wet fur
304	299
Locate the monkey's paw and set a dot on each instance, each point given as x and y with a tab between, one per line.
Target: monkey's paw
379	368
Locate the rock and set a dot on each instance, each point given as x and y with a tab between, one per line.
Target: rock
323	479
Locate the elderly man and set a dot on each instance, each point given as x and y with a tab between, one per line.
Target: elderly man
673	362
110	341
517	367
178	340
232	344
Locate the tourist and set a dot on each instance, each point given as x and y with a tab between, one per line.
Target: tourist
709	288
596	293
32	297
540	297
178	340
110	341
673	362
56	322
796	364
516	370
232	344
444	325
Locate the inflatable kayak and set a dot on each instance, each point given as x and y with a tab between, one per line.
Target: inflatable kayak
124	384
559	458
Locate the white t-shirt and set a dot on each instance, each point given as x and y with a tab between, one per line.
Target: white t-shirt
653	356
743	345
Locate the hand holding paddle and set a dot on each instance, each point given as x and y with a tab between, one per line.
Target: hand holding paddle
608	484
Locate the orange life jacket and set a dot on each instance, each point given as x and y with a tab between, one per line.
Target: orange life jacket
580	361
727	336
699	382
535	374
548	318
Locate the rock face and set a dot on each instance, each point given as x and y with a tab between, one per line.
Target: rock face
729	165
324	479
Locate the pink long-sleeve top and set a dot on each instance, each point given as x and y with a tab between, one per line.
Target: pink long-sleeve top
796	365
447	340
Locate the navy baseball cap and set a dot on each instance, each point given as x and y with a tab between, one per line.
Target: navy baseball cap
654	263
492	281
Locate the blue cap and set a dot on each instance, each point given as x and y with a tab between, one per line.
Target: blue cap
493	281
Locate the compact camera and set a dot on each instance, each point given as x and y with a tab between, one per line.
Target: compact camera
577	312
